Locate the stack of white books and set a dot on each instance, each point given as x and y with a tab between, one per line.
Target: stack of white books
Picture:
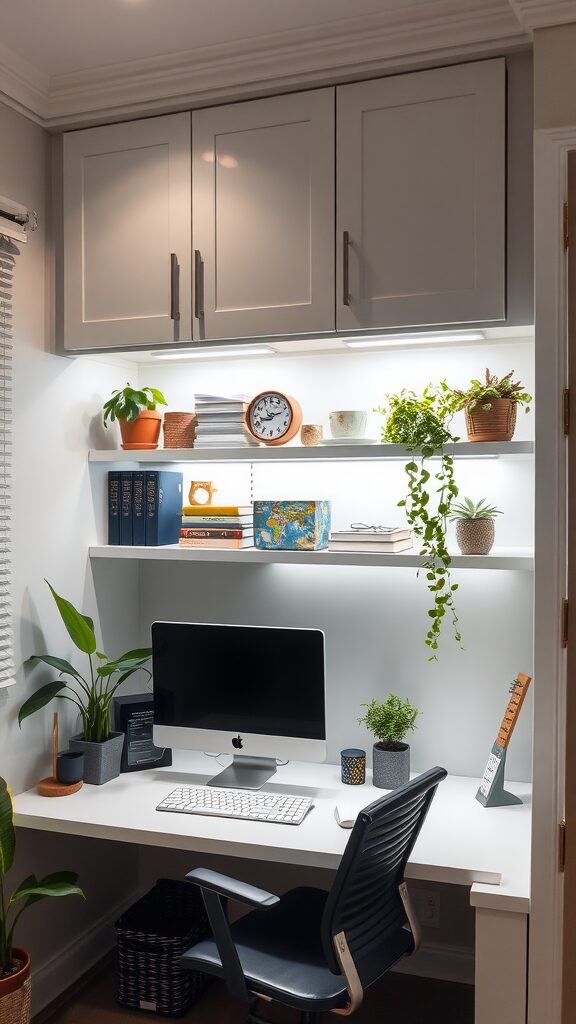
385	539
220	422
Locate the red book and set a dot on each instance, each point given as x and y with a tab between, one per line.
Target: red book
192	532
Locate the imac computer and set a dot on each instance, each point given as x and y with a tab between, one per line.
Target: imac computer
256	692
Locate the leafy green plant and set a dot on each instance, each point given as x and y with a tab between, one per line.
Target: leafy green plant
467	509
482	393
422	424
91	694
129	403
31	890
389	720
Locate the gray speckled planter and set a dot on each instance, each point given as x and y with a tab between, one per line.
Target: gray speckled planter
101	760
390	768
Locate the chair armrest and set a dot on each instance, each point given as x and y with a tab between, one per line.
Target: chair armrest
232	888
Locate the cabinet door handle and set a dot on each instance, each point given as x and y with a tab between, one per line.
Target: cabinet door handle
174	287
198	286
345	268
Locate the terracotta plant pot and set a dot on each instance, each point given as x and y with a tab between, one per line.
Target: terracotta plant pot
143	432
475	536
15	992
494	424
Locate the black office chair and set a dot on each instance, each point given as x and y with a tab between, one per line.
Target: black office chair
318	951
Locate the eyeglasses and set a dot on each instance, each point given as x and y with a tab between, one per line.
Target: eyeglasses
364	527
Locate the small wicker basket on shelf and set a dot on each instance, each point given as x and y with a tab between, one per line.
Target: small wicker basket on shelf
179	429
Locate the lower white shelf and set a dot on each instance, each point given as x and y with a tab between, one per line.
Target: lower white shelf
503	558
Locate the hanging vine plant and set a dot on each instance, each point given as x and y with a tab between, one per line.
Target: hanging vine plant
422	424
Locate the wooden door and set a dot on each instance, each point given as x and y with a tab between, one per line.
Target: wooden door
263	216
127	234
421	198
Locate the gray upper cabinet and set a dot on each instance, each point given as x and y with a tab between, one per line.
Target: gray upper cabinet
421	198
127	266
263	217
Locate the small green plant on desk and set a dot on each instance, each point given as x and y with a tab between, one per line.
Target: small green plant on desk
31	890
91	693
422	424
390	721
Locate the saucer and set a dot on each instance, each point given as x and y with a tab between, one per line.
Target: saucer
348	440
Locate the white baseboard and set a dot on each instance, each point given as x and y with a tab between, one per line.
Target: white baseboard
445	963
62	969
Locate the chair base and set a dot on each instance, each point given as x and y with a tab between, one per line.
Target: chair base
306	1017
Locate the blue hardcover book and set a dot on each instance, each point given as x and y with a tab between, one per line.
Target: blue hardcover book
126	506
163	506
138	507
114	507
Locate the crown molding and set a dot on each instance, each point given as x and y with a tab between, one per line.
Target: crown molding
352	46
535	14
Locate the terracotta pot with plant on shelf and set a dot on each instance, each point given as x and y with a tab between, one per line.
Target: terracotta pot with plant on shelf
135	410
490	406
474	526
92	695
15	980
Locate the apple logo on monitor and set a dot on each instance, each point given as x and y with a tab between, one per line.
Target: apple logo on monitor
237	742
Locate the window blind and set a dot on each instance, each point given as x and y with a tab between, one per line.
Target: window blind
8	253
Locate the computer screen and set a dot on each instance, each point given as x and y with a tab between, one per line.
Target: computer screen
240	689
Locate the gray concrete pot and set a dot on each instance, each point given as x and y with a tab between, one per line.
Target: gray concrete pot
101	760
390	768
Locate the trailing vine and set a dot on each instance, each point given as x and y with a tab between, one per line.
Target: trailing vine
422	425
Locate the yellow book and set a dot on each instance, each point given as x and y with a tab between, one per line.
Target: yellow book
205	511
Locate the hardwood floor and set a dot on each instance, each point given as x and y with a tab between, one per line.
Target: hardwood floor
417	1000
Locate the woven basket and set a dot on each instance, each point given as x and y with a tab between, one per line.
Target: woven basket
179	429
475	536
495	424
15	992
151	937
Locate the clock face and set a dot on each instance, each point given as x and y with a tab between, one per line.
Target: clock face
270	417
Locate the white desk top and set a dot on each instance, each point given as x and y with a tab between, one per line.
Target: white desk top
461	842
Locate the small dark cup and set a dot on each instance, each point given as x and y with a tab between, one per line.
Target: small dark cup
70	767
353	766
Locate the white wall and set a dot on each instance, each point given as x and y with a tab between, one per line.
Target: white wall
56	401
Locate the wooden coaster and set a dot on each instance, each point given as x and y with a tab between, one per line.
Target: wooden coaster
51	787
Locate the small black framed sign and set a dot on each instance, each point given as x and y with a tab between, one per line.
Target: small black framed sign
134	716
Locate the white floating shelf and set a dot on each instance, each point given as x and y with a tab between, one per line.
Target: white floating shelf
299	453
510	558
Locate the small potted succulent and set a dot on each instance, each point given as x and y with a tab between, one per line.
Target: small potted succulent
474	526
135	410
92	694
490	406
14	962
390	720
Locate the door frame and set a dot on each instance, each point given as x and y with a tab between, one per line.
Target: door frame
551	149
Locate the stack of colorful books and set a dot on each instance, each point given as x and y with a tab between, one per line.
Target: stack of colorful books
220	422
217	526
372	539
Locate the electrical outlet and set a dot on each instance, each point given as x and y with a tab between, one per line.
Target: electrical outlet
426	903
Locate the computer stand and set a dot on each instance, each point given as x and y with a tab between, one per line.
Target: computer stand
245	773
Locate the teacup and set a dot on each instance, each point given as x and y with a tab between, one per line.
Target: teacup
348	423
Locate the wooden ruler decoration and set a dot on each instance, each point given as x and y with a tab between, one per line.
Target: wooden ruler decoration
491	792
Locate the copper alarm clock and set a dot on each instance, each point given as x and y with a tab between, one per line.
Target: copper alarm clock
273	418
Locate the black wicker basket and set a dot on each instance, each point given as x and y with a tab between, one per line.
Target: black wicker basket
151	937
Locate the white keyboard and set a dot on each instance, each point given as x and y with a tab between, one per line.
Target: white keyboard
237	803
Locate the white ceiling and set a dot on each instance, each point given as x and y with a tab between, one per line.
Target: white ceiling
68	62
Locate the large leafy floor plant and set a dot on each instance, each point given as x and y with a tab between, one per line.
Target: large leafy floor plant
422	424
31	890
91	693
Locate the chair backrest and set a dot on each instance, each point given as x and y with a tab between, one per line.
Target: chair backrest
364	901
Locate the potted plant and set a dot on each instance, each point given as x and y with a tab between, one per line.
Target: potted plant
14	962
474	526
490	406
390	721
136	413
92	695
422	424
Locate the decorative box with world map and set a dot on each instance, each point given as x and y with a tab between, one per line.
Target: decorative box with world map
292	525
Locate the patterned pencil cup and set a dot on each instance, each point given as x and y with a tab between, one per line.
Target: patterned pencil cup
353	761
292	525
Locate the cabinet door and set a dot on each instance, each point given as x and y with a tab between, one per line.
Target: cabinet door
127	234
263	216
421	198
